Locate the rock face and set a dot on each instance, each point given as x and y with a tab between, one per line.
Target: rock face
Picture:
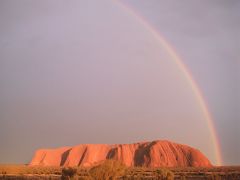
147	154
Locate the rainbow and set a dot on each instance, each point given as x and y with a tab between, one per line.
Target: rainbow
196	90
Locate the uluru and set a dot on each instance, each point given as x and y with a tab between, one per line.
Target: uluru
160	153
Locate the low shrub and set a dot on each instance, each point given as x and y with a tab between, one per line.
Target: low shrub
108	170
214	177
68	173
164	174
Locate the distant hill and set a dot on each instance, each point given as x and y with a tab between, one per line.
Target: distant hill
148	154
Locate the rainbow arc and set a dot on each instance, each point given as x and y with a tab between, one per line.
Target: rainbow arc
189	77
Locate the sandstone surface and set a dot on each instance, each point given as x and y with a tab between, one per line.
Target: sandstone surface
148	154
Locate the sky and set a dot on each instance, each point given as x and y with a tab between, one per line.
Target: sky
90	72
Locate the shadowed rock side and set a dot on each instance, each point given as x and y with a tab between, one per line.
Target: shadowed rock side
147	154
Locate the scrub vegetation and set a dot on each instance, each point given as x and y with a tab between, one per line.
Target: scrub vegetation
114	170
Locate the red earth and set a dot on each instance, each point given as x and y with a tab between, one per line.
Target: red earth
148	154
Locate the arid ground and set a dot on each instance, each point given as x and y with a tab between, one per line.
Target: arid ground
113	170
